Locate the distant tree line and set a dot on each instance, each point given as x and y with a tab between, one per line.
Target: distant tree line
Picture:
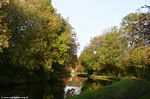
123	50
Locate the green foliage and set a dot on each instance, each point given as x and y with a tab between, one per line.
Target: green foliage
119	51
105	52
4	31
113	47
138	59
124	89
89	56
40	37
136	28
137	32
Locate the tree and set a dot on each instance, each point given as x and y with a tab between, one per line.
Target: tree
104	53
112	51
136	28
138	61
4	31
40	37
137	32
89	56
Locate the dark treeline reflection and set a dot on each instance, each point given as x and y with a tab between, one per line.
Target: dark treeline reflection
54	89
91	84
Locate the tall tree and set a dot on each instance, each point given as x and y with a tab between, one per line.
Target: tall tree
39	36
105	52
136	28
4	32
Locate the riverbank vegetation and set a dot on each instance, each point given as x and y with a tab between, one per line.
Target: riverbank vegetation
126	88
36	43
121	51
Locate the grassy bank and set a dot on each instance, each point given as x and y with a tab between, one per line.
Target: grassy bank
104	78
124	89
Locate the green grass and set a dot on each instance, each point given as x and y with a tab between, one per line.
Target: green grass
107	78
123	89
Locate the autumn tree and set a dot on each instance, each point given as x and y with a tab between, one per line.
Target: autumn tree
136	28
88	56
137	32
121	51
4	31
104	53
40	38
137	61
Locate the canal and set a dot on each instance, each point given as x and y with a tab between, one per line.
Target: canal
54	89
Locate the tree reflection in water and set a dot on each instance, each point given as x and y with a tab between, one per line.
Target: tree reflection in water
73	86
52	90
91	84
80	84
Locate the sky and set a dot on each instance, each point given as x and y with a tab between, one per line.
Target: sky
90	18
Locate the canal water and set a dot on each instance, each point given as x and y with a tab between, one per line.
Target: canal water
54	89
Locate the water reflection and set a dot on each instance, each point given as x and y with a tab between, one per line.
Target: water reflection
78	85
73	86
91	84
51	90
54	89
72	91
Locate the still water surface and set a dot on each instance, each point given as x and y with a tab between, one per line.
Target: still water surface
55	89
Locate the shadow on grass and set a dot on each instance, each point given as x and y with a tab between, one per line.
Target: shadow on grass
126	88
